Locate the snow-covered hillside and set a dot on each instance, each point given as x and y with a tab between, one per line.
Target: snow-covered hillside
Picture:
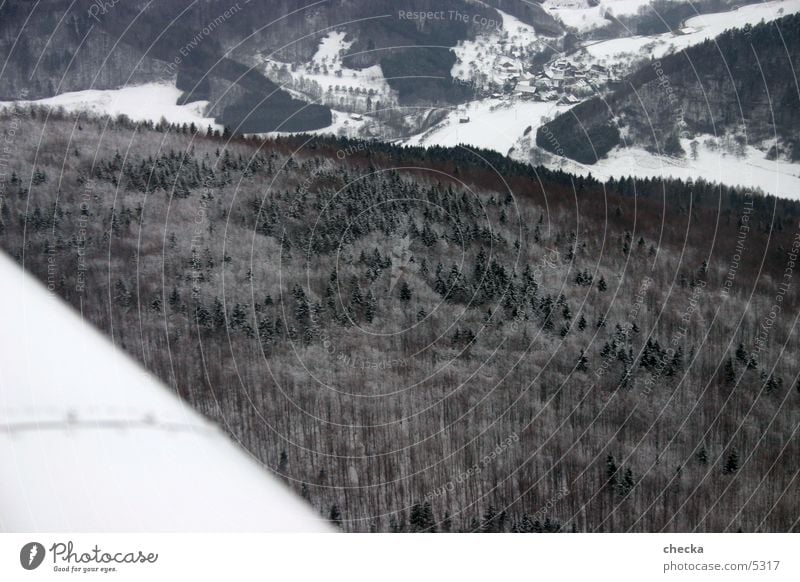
149	102
582	16
502	125
497	56
576	14
491	123
515	96
712	162
696	30
326	80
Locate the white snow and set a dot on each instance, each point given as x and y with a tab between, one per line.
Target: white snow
366	78
626	7
500	125
343	125
325	79
578	15
493	124
90	442
331	48
481	61
623	49
329	53
515	27
492	59
714	164
751	13
704	27
149	102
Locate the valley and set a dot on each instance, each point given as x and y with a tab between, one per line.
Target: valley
520	79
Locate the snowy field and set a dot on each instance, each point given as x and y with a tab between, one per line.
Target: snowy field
714	164
148	102
493	124
326	80
578	14
703	27
515	27
329	54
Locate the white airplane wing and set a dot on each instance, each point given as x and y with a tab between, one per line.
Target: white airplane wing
89	441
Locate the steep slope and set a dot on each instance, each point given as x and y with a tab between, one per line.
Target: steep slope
71	46
740	84
530	13
434	339
54	46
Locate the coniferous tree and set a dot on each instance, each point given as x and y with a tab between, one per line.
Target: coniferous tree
174	298
301	309
415	520
202	316
611	470
741	354
729	373
525	525
370	306
428	518
238	317
335	516
772	384
627	483
489	524
356	299
731	463
582	362
405	292
218	314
